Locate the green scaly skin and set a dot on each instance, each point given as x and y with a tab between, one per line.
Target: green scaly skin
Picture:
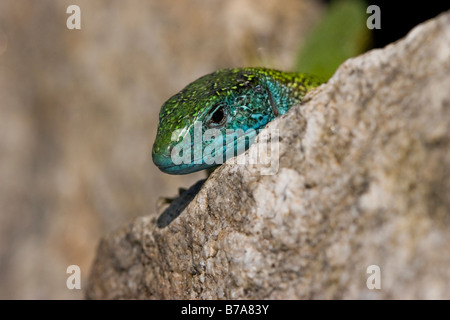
233	99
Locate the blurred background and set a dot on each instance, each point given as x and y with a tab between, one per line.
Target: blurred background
79	111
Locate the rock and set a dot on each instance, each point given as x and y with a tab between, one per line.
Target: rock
363	179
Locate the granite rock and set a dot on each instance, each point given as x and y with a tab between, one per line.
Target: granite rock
363	179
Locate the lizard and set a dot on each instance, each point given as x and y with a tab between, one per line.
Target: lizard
228	100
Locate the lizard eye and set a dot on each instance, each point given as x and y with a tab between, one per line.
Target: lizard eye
218	117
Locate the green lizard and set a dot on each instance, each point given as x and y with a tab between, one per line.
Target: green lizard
227	101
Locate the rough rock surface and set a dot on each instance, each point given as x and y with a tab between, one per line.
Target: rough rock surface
79	110
363	179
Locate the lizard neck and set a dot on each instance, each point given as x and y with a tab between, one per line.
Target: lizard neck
286	90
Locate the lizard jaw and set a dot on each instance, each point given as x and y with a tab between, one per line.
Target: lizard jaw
165	163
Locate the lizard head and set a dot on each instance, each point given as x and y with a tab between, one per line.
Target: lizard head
215	117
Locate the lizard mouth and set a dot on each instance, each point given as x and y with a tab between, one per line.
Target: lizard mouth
165	163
